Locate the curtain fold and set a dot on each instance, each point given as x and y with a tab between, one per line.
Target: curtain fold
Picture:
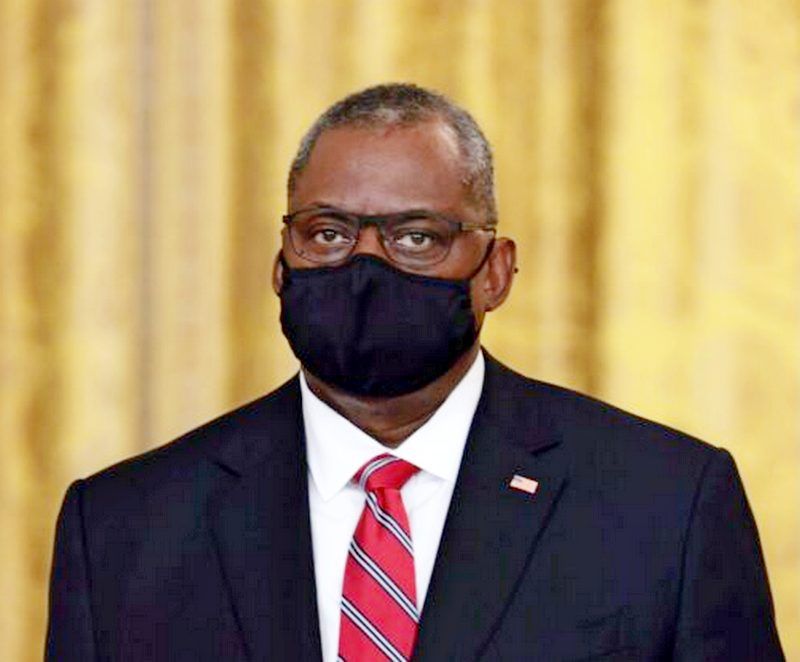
648	166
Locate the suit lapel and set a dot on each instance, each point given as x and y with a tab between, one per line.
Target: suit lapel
491	529
260	525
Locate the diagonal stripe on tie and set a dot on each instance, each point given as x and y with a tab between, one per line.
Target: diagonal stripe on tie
383	580
363	640
385	615
389	523
379	612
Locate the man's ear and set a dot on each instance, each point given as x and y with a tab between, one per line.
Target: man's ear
500	269
277	274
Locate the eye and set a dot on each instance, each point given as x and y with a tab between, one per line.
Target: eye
416	240
329	236
419	234
326	230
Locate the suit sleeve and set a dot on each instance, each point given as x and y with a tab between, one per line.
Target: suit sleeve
726	610
69	630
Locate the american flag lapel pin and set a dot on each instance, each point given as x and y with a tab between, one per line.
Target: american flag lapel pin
523	484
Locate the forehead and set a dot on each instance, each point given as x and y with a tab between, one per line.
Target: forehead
384	169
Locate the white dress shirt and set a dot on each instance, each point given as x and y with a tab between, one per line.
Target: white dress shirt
337	449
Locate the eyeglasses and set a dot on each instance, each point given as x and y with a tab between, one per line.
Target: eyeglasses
412	239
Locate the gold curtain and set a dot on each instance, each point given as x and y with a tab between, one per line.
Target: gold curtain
648	158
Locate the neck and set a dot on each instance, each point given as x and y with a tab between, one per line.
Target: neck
392	420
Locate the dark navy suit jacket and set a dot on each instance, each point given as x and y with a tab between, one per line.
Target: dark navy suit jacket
638	545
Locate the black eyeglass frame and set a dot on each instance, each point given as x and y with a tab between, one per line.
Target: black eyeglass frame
379	221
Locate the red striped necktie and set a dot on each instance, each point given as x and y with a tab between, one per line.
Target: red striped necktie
379	618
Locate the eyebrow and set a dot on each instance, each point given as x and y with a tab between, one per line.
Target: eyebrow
321	204
421	211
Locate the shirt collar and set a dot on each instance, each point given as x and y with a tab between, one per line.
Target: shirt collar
336	449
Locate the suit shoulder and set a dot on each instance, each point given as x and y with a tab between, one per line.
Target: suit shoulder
185	454
590	424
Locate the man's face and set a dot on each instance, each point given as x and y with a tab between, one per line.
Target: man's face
387	170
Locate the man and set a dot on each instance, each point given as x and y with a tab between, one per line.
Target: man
406	494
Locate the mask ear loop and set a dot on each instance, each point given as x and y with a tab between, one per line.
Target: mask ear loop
285	268
474	273
483	261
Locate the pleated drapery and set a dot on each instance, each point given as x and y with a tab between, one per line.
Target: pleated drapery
648	164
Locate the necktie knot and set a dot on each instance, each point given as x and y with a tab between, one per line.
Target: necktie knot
384	472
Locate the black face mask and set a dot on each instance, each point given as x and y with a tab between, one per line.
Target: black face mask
371	329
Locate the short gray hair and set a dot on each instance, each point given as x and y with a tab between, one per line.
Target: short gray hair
407	104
